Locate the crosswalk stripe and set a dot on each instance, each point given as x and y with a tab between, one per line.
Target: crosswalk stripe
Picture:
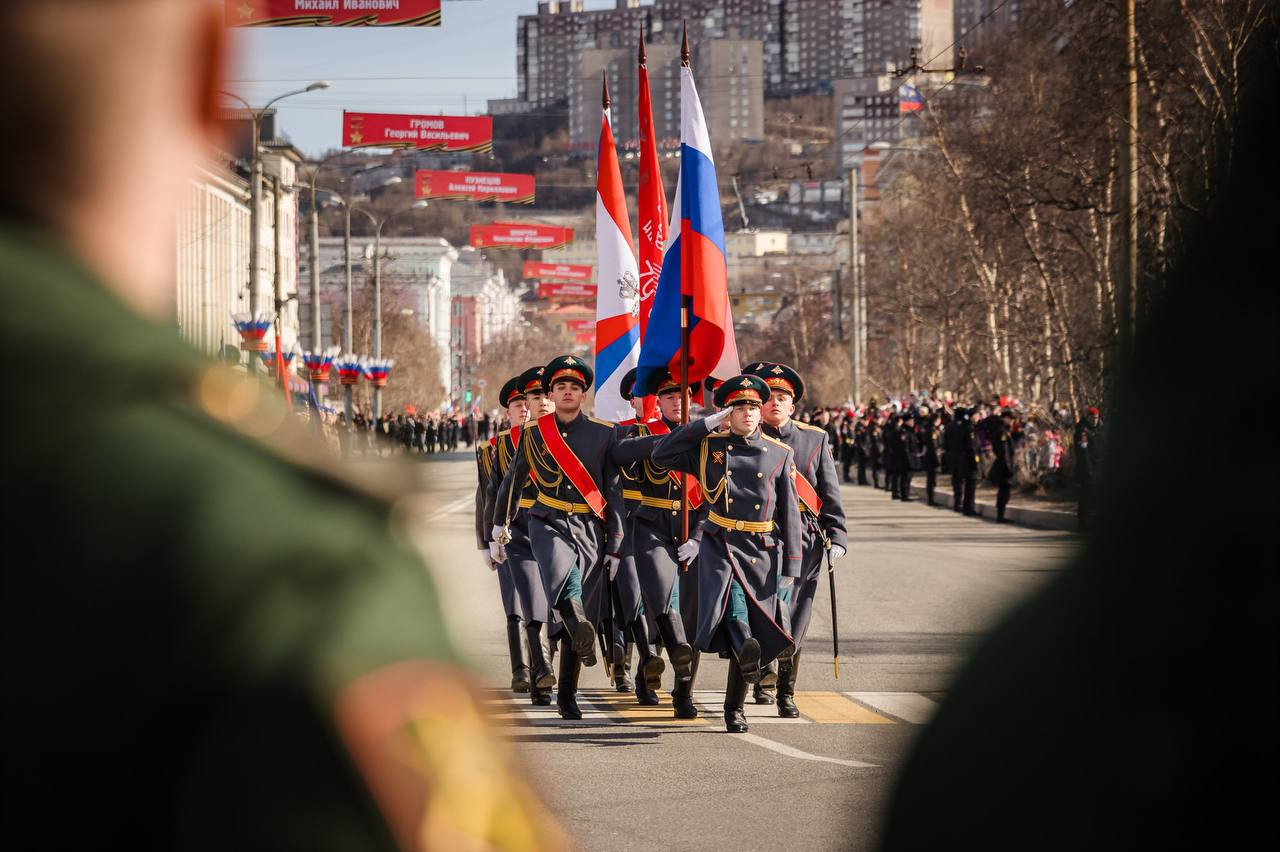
908	706
832	707
607	706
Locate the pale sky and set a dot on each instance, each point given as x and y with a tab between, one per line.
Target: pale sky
452	69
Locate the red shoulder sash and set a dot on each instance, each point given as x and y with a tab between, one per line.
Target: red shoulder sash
805	492
692	491
570	464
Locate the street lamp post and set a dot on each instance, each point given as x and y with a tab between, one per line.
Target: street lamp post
255	186
377	285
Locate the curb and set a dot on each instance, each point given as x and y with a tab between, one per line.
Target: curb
1045	519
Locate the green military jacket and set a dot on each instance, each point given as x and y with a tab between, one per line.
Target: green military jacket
188	595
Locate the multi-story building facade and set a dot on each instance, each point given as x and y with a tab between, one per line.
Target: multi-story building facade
485	307
212	259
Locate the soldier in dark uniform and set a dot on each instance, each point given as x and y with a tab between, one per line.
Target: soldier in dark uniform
1086	450
512	398
630	626
517	553
576	522
657	539
875	447
259	649
1002	467
848	444
751	535
895	455
927	436
953	451
908	447
821	511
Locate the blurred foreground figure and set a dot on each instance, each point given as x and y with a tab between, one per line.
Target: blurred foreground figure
209	645
1132	703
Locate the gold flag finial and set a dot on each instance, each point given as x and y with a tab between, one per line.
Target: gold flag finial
604	93
684	46
644	60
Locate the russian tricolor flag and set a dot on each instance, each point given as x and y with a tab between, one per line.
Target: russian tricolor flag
694	265
618	277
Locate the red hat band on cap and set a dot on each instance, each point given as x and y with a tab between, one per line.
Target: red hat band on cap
561	375
745	395
781	384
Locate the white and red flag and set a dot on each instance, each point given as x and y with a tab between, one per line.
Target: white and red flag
618	293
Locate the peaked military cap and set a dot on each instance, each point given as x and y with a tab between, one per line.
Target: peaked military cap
710	383
663	382
742	390
531	380
567	368
511	391
779	377
628	383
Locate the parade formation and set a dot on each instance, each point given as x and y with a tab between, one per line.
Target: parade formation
703	536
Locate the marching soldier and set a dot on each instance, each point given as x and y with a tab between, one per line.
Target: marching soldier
909	451
629	610
517	412
895	455
517	554
751	533
821	512
875	446
658	542
575	524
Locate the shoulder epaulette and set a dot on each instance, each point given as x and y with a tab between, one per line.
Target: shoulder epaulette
809	426
608	423
774	441
504	433
723	433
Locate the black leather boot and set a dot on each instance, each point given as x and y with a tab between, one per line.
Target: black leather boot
519	671
787	672
762	692
650	667
682	693
671	630
540	675
567	689
735	693
746	650
582	636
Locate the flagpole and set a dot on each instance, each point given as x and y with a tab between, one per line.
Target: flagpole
684	360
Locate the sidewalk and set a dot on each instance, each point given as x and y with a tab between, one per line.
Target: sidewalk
1039	517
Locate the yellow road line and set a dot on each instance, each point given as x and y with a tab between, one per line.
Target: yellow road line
623	706
832	707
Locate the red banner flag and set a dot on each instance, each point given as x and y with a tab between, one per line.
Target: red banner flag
567	292
475	186
580	325
423	132
585	336
562	271
503	235
332	13
651	205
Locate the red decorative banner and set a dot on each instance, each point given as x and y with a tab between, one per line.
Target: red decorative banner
585	337
423	132
475	186
562	271
507	235
580	325
332	13
567	292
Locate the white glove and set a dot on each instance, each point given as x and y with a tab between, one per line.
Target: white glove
837	552
499	533
611	564
714	420
497	553
688	551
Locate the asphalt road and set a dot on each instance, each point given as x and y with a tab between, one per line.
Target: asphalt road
918	589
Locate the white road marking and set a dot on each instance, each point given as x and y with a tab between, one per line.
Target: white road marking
907	706
451	508
788	751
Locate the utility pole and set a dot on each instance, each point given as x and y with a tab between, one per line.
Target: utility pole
346	322
1128	295
857	331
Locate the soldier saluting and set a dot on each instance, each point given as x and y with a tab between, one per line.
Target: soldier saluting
575	523
821	512
751	530
657	542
